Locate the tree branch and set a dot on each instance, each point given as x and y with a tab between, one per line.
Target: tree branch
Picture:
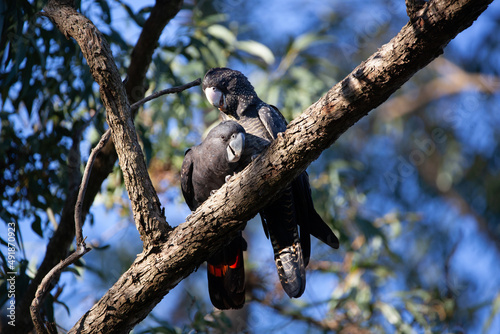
142	54
46	283
149	218
172	90
83	188
81	248
57	248
159	269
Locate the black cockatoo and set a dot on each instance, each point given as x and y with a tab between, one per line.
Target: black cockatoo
232	93
204	169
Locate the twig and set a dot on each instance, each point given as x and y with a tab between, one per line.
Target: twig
172	90
83	187
81	248
45	284
61	240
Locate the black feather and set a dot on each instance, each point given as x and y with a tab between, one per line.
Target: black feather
204	170
262	123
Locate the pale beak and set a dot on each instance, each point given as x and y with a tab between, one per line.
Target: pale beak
235	147
215	97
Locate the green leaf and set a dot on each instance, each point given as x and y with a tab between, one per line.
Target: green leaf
100	248
494	311
257	49
72	270
389	312
221	32
304	41
66	307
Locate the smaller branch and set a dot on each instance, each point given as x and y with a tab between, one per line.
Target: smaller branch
83	187
46	283
81	249
172	90
59	243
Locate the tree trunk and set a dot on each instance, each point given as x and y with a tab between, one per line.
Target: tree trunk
59	243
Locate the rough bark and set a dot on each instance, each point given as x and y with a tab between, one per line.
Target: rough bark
160	268
145	203
58	246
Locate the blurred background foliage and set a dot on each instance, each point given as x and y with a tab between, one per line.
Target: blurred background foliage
412	189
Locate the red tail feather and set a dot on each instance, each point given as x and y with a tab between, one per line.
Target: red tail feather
226	276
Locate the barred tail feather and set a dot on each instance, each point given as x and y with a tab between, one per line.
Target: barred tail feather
291	270
280	223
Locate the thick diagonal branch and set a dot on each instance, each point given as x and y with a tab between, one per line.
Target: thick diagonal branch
157	270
